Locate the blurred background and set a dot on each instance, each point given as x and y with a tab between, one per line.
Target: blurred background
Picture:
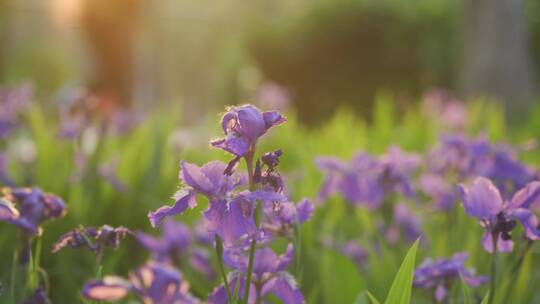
317	54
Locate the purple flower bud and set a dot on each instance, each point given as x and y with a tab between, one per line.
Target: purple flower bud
243	125
91	238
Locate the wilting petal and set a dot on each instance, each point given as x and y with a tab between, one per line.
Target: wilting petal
184	199
502	245
482	200
232	144
108	289
285	288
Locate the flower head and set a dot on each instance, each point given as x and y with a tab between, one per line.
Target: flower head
207	180
441	274
28	208
483	201
243	125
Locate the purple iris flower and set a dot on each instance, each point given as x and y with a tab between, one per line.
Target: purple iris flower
94	239
234	221
153	283
405	224
13	101
176	242
28	208
269	276
230	214
483	201
367	180
207	180
243	125
442	273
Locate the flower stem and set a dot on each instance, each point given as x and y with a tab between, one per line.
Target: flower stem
219	252
250	271
493	274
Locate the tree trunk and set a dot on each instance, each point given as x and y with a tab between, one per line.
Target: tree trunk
496	58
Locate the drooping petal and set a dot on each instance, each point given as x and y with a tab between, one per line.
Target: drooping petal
233	144
109	289
194	176
482	200
184	199
527	219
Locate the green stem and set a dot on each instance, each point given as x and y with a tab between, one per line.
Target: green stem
250	271
219	252
493	274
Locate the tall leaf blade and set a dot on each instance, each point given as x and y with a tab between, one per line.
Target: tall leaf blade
400	292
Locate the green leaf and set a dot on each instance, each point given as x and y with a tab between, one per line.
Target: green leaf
372	298
486	298
400	292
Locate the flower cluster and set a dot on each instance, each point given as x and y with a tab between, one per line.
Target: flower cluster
244	221
368	180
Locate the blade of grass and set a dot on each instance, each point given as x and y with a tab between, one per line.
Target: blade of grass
400	292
